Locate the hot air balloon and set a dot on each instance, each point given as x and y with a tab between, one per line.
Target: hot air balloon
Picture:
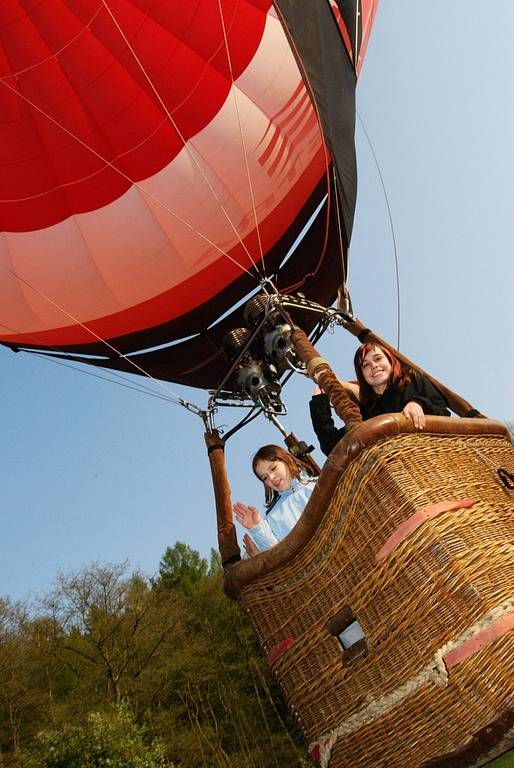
178	189
169	161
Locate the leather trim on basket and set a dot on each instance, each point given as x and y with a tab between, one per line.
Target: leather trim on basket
487	636
420	516
280	648
360	438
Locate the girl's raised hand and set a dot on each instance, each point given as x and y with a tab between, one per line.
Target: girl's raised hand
249	517
250	546
414	411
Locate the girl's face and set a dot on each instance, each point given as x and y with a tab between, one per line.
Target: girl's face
274	474
376	370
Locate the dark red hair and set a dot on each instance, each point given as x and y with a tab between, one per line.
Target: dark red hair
400	375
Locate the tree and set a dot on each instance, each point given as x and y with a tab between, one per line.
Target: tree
217	705
106	740
23	695
181	567
215	564
184	658
107	628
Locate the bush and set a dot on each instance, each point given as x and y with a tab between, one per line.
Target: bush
106	740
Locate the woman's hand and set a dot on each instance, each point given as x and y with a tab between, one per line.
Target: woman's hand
250	546
249	517
414	411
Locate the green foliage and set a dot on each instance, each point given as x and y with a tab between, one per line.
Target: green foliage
23	694
505	761
215	564
181	567
181	654
106	740
106	629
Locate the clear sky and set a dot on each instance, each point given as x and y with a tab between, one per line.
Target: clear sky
93	471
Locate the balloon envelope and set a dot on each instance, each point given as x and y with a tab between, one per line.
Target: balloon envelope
157	160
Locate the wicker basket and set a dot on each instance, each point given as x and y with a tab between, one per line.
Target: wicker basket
415	542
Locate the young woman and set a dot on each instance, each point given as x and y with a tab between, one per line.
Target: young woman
385	385
287	486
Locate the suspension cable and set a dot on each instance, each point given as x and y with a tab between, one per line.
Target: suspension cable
306	80
179	132
243	143
144	192
339	227
138	368
123	382
391	226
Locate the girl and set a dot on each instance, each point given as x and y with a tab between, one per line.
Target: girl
385	385
287	486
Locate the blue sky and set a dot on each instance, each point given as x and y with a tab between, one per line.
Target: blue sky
95	472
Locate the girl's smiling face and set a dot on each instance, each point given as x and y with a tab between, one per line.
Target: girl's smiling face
376	370
274	474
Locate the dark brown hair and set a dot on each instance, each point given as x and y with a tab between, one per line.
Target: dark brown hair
400	375
276	453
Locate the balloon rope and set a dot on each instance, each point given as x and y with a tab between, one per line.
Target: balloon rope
372	9
395	249
123	382
127	359
172	397
344	270
310	90
181	136
241	134
145	193
355	51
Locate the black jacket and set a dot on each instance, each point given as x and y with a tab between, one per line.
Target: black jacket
394	400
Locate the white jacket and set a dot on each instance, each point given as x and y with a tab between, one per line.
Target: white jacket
285	513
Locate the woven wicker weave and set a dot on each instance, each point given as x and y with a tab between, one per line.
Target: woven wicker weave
449	579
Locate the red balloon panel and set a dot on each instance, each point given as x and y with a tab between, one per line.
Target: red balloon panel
137	178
